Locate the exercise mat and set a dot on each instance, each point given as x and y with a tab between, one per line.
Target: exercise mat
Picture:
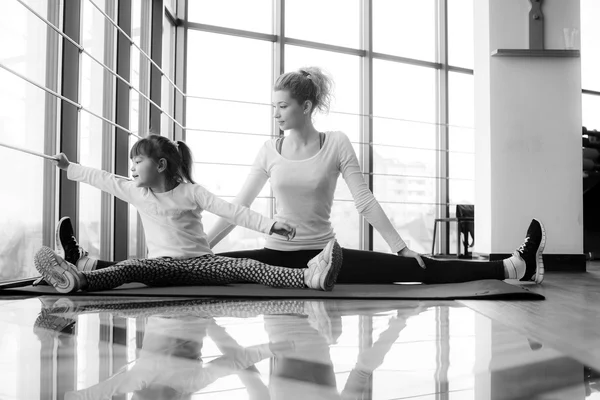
483	289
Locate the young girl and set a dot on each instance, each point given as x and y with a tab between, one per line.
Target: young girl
303	168
170	205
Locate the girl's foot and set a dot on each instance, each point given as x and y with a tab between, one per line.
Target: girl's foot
323	268
68	248
61	274
527	263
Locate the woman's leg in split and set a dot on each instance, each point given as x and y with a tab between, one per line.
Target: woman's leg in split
369	267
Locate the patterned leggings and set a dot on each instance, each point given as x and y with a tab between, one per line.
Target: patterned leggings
205	270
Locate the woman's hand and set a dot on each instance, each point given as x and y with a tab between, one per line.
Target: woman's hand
62	161
284	229
406	252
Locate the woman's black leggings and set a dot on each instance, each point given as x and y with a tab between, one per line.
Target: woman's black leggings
370	267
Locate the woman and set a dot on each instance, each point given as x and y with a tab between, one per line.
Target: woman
303	168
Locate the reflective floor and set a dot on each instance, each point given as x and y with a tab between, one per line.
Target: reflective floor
134	348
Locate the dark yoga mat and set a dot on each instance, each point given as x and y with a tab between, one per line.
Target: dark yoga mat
485	290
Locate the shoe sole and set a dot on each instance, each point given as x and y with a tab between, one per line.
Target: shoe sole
54	272
538	277
327	281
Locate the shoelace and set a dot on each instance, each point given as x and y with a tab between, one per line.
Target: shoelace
523	246
74	250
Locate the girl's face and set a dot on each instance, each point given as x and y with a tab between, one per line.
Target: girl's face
145	172
288	112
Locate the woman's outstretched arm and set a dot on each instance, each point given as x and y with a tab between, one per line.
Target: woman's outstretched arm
366	203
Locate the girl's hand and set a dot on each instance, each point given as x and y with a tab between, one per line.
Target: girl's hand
283	229
62	161
406	252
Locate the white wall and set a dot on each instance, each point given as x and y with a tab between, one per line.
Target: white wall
528	130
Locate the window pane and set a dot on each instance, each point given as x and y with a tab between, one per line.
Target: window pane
460	33
240	238
94	78
22	123
334	22
414	223
224	180
405	28
404	161
461	99
404	91
405	189
345	71
228	74
229	116
591	111
590	37
345	222
461	157
167	90
404	134
255	15
225	148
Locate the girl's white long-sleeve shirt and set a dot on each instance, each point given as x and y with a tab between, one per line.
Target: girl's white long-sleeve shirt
304	191
172	220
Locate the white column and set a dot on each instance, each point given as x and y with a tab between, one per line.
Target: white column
528	130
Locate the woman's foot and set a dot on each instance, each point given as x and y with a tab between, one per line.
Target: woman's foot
68	248
526	263
323	268
61	274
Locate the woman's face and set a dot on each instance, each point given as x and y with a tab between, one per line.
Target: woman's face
287	111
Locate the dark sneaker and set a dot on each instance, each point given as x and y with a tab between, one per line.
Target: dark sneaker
323	268
66	244
56	271
531	252
68	248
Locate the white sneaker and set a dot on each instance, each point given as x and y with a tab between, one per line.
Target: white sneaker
55	270
323	268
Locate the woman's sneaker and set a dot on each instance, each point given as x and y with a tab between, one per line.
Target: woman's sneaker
68	248
323	268
531	252
61	274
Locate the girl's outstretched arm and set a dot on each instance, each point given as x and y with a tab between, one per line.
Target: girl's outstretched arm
241	215
110	183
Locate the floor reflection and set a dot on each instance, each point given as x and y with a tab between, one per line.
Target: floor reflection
118	348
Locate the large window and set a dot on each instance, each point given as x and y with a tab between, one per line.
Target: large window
590	57
29	53
416	158
61	72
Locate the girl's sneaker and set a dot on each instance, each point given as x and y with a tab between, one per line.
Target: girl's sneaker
323	268
68	248
61	274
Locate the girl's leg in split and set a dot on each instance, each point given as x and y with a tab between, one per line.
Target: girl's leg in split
321	272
